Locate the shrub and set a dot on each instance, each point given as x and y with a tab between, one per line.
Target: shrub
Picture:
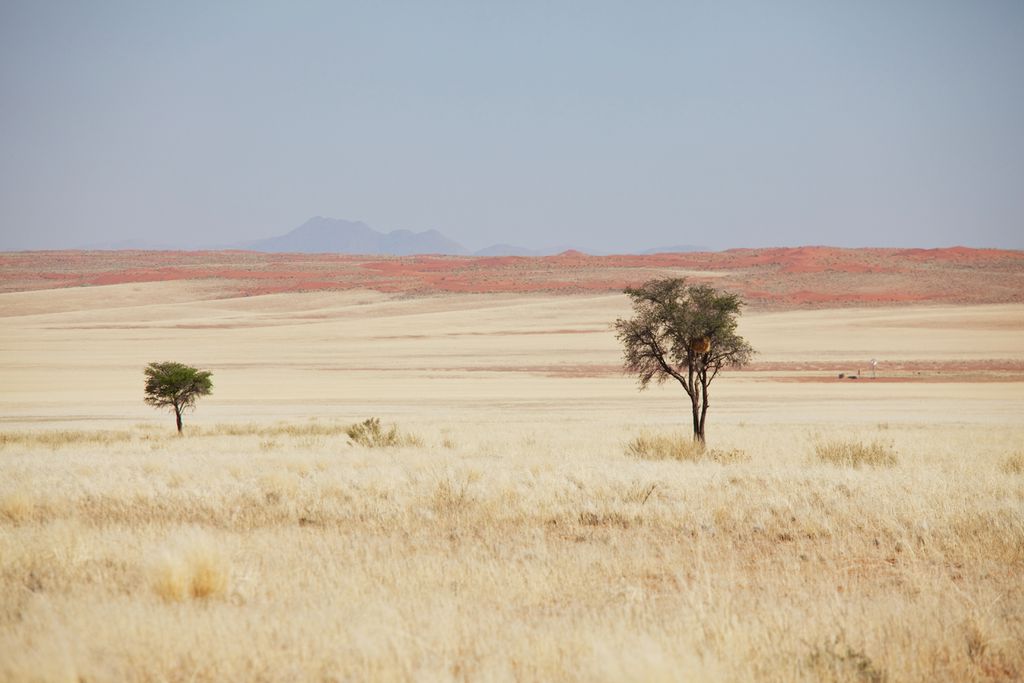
370	434
856	453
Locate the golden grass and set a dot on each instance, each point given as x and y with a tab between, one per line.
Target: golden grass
62	438
682	447
847	453
522	552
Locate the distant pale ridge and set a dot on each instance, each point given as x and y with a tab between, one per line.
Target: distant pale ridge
321	235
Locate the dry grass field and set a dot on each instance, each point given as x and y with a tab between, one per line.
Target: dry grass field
542	522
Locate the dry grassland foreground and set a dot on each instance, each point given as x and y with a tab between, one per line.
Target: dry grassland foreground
537	519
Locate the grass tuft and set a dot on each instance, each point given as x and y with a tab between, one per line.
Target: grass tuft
856	453
665	447
17	507
193	566
1013	464
836	661
680	447
728	457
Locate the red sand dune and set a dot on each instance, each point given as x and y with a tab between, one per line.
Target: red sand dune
781	277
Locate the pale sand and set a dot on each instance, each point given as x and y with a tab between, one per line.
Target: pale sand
76	356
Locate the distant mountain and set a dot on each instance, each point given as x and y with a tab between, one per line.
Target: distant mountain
322	235
332	235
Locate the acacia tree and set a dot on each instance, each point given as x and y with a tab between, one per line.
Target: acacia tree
176	385
682	332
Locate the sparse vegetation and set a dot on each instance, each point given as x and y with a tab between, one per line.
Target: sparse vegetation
856	453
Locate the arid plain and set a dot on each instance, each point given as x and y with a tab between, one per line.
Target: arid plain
513	535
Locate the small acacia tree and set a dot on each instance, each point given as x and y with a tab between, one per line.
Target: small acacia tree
177	386
682	332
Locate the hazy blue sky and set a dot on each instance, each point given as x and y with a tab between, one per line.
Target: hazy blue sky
612	125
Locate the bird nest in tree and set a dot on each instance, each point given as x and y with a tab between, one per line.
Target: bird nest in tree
700	345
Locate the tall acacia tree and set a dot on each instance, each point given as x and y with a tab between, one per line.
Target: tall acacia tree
176	386
682	332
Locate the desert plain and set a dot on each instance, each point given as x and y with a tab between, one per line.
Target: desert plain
515	531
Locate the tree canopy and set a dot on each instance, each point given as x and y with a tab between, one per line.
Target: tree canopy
682	332
177	386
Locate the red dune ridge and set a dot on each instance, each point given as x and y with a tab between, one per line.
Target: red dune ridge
779	277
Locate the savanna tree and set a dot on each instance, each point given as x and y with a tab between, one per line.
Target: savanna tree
682	332
176	386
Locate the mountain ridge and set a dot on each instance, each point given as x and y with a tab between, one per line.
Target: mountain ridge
325	235
320	235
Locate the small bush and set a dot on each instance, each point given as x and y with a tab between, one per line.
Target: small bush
856	453
370	434
1013	464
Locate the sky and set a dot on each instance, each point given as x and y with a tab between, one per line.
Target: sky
613	126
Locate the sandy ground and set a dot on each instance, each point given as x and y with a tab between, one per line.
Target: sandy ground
75	356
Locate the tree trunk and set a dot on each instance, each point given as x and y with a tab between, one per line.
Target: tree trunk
703	407
698	433
698	423
177	417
